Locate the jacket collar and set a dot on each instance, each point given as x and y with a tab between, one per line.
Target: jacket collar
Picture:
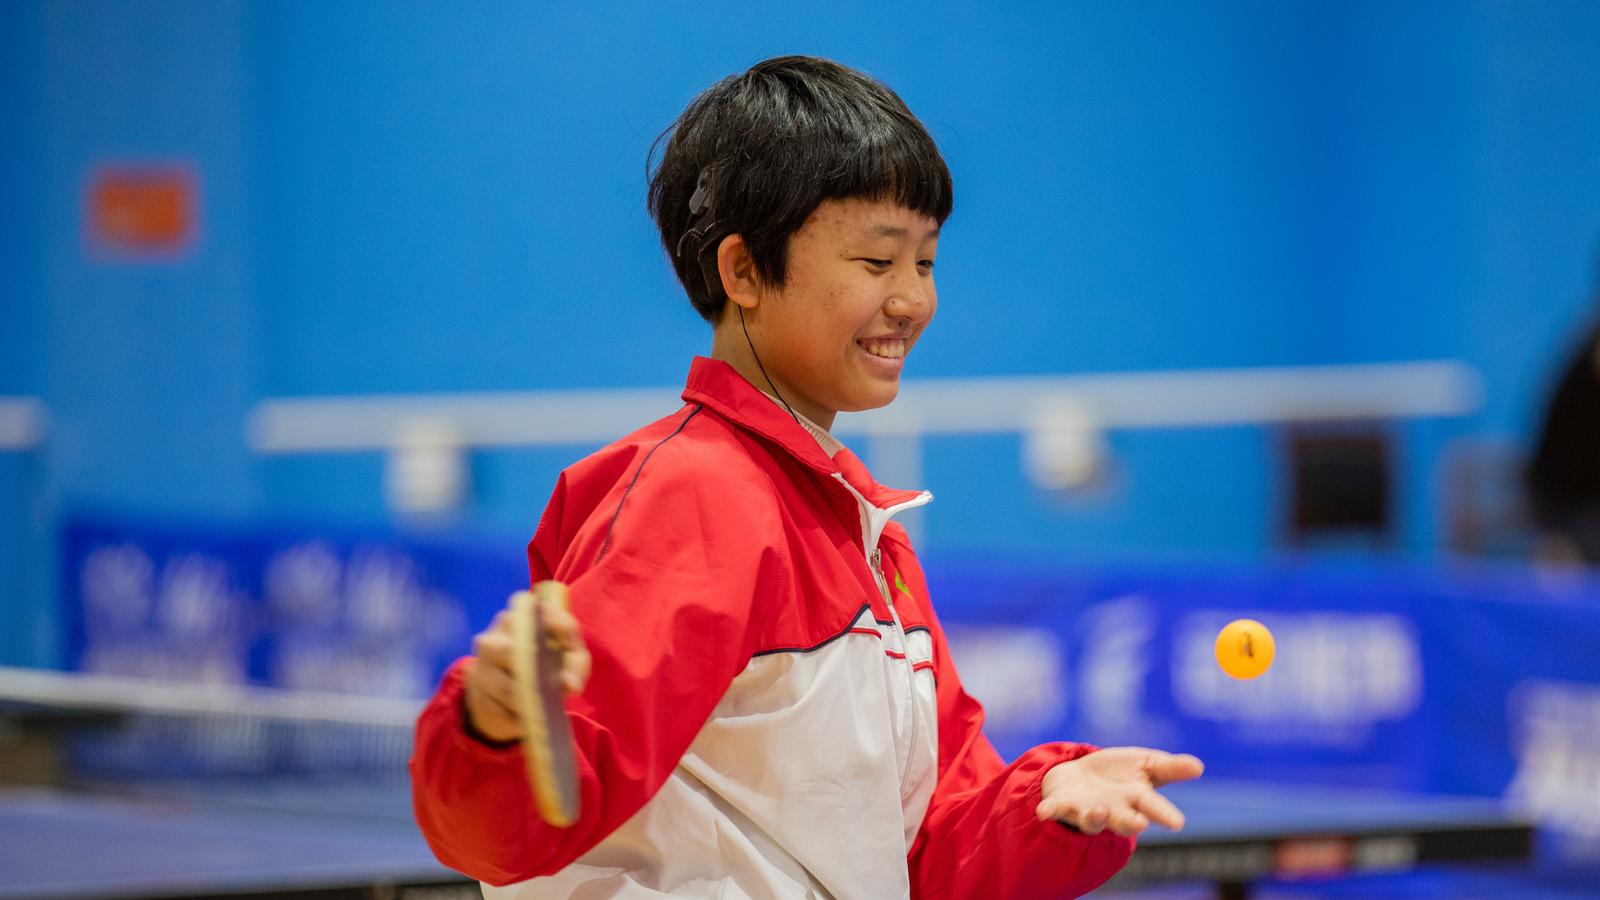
718	386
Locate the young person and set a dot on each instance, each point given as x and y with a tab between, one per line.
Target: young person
762	701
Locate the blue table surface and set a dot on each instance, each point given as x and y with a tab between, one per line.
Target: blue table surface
59	845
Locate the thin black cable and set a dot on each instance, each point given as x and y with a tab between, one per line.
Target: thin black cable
763	369
704	235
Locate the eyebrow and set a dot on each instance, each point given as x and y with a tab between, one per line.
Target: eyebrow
895	231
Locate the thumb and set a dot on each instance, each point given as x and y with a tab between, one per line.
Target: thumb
1165	768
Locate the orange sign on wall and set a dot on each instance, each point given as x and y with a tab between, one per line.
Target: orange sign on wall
142	210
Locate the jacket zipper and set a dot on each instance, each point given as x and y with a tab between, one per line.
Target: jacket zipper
875	565
911	675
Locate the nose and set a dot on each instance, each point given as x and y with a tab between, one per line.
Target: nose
912	299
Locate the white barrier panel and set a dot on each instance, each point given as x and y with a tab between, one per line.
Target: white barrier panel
22	423
935	406
1063	419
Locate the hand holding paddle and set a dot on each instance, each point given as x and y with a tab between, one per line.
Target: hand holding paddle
530	655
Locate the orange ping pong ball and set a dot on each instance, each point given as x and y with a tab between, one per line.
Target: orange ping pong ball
1244	648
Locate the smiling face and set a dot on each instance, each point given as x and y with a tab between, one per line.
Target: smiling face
834	336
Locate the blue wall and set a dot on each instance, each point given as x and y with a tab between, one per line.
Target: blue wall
402	198
19	238
148	366
20	308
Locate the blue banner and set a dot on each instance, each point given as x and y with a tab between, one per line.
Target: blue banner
1465	680
371	614
1471	680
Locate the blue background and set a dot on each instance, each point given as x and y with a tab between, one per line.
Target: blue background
430	198
450	197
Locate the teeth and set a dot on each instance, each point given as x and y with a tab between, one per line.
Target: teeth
890	348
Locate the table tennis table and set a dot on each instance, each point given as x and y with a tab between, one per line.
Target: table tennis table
336	843
56	844
1241	832
119	788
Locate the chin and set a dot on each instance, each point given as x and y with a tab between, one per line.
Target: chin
877	398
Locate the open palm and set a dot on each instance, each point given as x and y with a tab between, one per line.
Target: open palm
1115	788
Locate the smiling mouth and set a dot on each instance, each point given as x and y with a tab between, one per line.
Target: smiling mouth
884	348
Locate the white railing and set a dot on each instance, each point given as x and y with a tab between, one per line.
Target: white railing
332	424
1062	417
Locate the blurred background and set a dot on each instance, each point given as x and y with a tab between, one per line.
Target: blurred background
1247	308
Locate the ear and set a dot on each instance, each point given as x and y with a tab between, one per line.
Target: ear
738	271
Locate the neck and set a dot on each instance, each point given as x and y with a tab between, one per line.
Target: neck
728	343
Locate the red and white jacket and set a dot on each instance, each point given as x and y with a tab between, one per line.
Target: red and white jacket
773	712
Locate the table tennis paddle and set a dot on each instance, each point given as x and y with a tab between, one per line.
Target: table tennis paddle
546	733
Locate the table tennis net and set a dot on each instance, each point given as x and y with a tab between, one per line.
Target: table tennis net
65	728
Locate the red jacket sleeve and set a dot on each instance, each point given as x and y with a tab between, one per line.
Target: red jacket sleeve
661	579
980	837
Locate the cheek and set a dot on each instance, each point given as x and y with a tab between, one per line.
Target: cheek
845	306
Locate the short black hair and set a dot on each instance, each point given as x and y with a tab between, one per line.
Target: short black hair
771	144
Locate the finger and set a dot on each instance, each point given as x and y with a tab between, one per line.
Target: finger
501	623
561	625
1051	808
1070	813
575	666
1127	821
494	648
1093	820
1160	810
1165	768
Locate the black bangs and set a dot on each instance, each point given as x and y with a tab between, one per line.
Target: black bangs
772	143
